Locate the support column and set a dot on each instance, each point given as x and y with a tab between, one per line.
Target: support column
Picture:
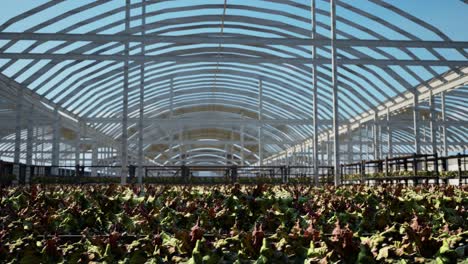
376	136
94	159
336	139
226	158
417	147
444	128
242	145
231	148
171	115
78	144
329	154
18	121
367	142
29	145
142	97
350	145
431	124
390	136
55	142
181	140
360	142
124	151
315	101
260	129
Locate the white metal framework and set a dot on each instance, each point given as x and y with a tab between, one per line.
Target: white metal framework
119	82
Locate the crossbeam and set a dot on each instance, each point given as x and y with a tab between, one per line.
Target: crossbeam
148	39
227	59
194	121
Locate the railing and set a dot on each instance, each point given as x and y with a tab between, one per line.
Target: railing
413	169
408	169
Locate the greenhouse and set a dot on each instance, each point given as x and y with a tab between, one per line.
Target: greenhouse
300	98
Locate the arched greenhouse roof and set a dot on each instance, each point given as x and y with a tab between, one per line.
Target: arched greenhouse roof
228	71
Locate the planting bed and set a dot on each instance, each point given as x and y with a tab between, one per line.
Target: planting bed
233	223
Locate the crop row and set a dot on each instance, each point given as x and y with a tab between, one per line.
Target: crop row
229	223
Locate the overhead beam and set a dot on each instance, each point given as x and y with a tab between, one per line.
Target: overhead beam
235	121
148	39
189	121
227	59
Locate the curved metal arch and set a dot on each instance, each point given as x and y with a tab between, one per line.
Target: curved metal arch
353	81
276	133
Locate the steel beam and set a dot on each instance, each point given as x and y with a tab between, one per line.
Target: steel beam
193	121
260	128
142	98
78	145
18	126
242	142
416	128
389	136
432	124
334	78
124	150
315	100
29	144
376	136
56	141
444	127
229	59
151	39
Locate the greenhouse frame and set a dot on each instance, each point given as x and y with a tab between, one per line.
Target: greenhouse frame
129	87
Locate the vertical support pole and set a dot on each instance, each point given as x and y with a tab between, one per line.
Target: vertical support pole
171	115
390	136
329	162
367	142
78	144
444	127
386	167
360	142
226	156
231	148
124	151
336	140
83	155
376	136
94	159
260	129
459	169
350	145
436	167
43	152
18	121
417	147
415	169
55	142
181	140
315	101
431	122
171	99
29	145
142	96
242	144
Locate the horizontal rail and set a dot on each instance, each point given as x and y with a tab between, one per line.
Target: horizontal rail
105	38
